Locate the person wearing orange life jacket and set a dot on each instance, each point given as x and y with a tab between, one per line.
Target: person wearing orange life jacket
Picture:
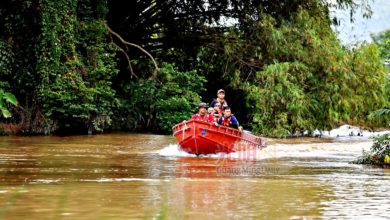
228	119
220	99
202	114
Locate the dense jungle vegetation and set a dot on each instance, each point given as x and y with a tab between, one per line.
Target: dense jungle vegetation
78	66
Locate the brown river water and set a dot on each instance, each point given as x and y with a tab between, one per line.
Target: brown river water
138	176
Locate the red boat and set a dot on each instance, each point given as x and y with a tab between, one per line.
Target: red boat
198	137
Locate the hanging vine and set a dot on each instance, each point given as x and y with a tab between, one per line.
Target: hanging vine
76	65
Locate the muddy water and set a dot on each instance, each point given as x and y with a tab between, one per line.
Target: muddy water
133	176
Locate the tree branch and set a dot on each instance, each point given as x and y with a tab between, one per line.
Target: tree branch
137	46
128	61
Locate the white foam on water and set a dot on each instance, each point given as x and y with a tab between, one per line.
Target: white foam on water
344	149
350	131
327	150
172	150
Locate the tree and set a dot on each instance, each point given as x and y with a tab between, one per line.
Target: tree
76	64
65	68
383	42
297	76
69	71
158	104
176	30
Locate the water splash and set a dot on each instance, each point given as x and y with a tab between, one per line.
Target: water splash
349	132
341	149
172	150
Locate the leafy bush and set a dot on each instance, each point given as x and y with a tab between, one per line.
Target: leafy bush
6	58
158	104
282	105
297	76
379	153
6	97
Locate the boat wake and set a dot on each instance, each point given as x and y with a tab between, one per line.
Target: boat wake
343	149
172	150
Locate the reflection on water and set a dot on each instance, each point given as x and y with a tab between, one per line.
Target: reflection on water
120	176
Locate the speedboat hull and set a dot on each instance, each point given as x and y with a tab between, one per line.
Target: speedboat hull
197	137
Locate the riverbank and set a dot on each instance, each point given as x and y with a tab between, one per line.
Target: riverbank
340	132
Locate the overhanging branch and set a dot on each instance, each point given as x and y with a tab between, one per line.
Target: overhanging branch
137	46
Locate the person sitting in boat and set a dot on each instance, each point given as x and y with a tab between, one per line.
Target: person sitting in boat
210	111
220	99
228	119
202	114
217	111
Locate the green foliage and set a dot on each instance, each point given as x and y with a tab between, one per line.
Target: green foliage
6	58
381	115
62	64
174	24
281	103
20	25
6	97
158	104
383	42
380	142
76	66
298	77
379	152
58	59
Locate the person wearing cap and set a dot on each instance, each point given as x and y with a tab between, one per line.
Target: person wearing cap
202	114
220	99
228	119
